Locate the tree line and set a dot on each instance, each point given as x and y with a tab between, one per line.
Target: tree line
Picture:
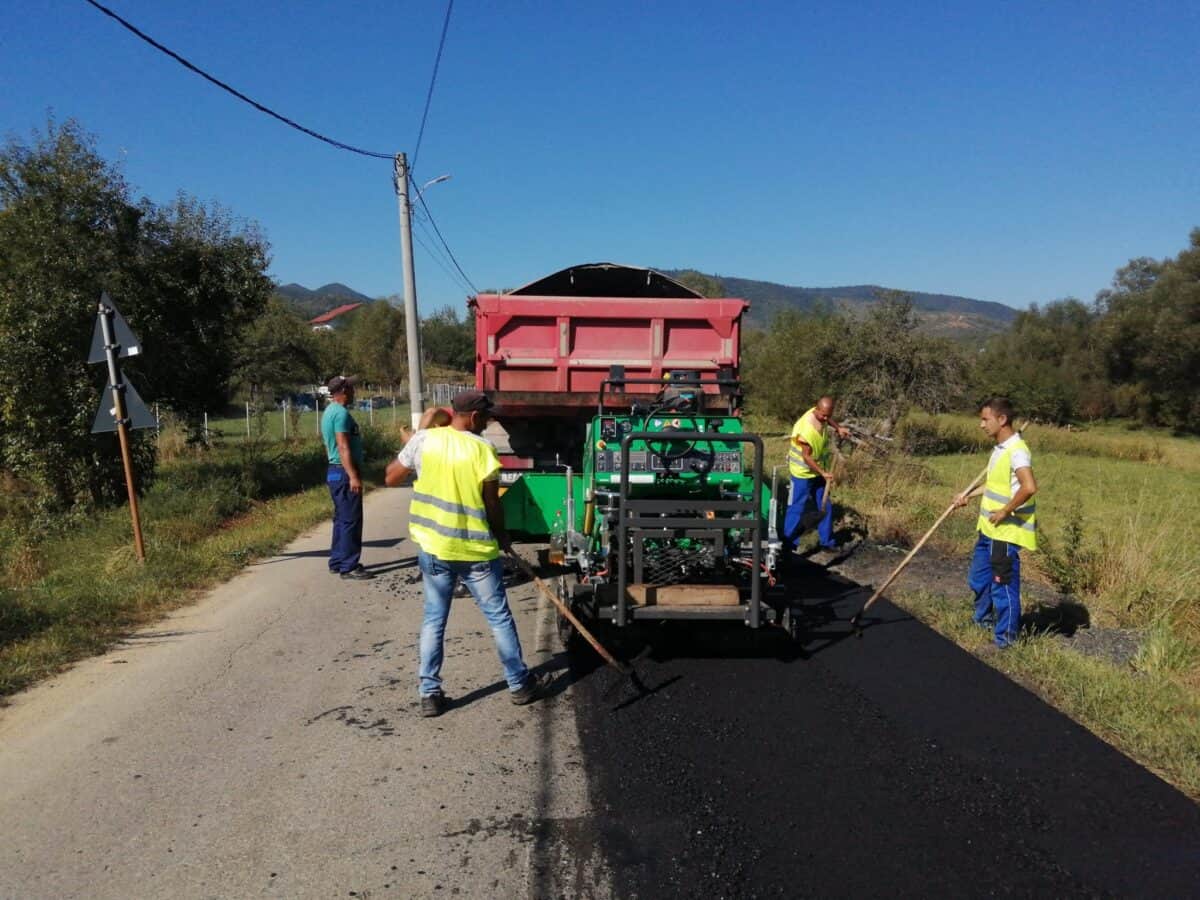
1132	353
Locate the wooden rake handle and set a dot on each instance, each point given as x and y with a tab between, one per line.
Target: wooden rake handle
545	591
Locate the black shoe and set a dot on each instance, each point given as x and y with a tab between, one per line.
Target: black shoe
433	704
533	689
832	548
358	573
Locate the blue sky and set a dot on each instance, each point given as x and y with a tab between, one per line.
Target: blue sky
1017	152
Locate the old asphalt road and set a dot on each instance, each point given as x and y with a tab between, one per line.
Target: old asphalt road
894	765
266	742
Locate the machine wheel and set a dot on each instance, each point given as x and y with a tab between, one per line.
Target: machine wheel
792	617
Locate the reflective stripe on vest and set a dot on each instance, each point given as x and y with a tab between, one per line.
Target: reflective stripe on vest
817	440
447	518
1018	527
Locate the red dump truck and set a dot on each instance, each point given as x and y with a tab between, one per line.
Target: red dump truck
545	350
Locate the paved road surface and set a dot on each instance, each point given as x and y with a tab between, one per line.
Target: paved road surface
266	742
894	765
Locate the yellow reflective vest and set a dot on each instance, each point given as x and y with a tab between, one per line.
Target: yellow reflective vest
818	440
1020	526
447	518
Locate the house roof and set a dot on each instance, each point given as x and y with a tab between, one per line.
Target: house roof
325	318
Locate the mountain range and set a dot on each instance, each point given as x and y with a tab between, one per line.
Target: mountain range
942	314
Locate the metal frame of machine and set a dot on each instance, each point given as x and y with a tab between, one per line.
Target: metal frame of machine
712	509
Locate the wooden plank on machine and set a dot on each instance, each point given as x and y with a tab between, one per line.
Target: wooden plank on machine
684	595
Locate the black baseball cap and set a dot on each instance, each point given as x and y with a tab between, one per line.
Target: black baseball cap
472	401
339	383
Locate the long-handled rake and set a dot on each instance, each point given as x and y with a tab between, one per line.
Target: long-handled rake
545	591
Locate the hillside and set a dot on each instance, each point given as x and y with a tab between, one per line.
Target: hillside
943	314
310	303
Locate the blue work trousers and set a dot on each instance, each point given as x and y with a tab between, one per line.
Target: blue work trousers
996	584
485	581
345	547
805	491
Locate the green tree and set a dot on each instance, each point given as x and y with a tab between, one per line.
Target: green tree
1049	363
1151	337
878	366
184	277
277	352
374	342
448	340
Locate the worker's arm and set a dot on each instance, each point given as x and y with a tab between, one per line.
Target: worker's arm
343	445
806	452
495	514
397	473
962	499
842	430
1027	488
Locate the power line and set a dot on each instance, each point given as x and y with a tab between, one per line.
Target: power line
225	87
438	232
450	273
437	61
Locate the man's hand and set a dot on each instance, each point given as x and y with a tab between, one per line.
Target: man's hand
355	484
997	516
843	432
960	500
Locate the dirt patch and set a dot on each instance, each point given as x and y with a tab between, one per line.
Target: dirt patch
1044	608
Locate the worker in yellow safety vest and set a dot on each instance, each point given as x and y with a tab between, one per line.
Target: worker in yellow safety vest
1007	522
457	523
809	467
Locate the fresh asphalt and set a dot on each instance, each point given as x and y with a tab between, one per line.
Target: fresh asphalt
892	765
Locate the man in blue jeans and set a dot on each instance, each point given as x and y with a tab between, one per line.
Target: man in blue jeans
457	522
344	448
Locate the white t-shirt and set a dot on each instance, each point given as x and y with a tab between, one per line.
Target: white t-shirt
410	456
1020	460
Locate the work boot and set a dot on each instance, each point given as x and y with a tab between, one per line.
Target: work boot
433	704
533	689
358	573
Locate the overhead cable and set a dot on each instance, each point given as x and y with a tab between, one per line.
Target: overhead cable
225	87
437	61
438	232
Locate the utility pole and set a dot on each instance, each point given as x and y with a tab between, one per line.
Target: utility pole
412	327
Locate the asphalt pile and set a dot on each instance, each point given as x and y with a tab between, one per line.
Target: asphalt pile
893	765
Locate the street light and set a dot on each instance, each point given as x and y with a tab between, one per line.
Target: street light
431	182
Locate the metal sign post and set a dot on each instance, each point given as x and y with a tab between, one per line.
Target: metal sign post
113	338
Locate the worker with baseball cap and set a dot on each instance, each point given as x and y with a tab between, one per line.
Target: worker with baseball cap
458	524
344	449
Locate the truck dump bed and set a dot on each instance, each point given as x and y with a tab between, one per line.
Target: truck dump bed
544	353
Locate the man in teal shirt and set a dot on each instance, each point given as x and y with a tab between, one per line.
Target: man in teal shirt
343	445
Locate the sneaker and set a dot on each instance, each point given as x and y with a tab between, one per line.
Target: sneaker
433	704
358	573
533	689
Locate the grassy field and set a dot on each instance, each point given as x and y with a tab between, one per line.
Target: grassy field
208	513
1119	529
270	423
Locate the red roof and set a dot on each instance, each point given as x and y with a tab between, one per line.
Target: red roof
333	314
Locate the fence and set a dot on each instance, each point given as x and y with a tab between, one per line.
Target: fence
288	420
